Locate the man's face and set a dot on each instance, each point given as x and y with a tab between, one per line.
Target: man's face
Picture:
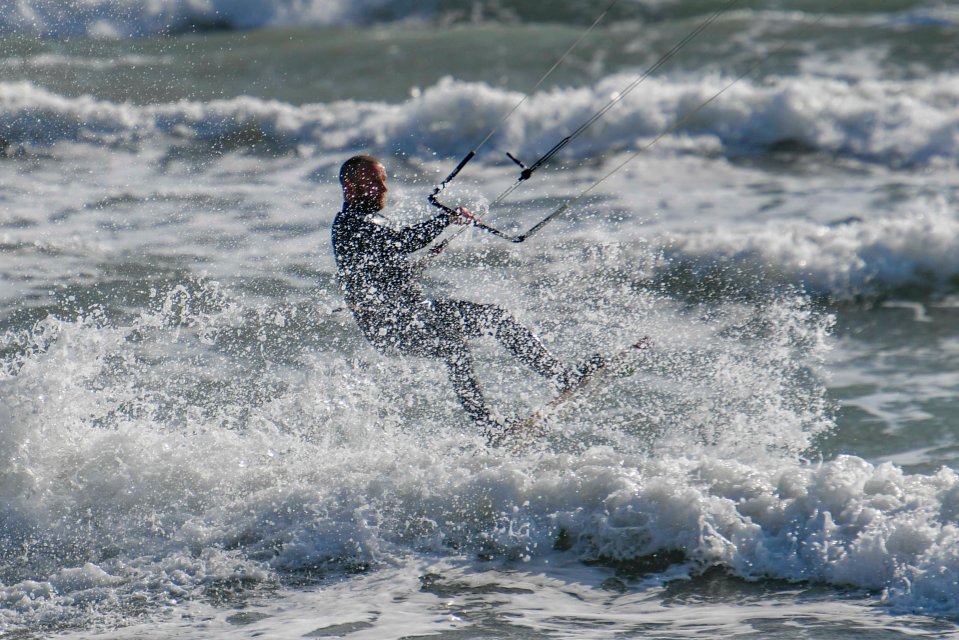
368	190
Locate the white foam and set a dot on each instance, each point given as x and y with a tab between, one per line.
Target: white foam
888	122
564	600
125	18
164	478
53	60
859	257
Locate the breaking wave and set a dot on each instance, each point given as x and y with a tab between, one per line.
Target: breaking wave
170	478
126	18
894	123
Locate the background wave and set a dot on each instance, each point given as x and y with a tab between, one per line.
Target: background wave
907	256
893	123
126	18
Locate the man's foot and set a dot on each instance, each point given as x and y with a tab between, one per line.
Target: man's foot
515	434
571	377
498	432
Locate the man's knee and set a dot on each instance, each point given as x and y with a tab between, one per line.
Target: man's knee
456	355
477	319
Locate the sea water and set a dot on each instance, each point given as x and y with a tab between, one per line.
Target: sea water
196	441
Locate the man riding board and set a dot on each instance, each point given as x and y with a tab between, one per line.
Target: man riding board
377	277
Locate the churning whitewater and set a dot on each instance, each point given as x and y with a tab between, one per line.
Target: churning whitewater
196	441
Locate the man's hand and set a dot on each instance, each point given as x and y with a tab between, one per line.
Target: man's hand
465	217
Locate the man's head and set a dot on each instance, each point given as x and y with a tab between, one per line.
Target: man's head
364	183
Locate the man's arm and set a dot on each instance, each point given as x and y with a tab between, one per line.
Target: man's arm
414	238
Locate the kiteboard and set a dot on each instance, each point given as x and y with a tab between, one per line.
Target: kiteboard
535	425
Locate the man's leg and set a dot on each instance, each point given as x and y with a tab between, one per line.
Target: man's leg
421	331
459	365
487	319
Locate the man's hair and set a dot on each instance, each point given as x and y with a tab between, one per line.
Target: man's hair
354	166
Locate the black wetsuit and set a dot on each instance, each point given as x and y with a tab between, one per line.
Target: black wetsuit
378	281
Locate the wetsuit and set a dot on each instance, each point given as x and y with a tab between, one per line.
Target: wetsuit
378	281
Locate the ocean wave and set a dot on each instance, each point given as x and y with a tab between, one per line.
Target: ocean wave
911	255
135	504
126	18
896	123
131	18
59	61
843	522
163	482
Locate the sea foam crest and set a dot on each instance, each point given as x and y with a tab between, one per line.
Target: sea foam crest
132	18
849	259
843	522
882	121
125	18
